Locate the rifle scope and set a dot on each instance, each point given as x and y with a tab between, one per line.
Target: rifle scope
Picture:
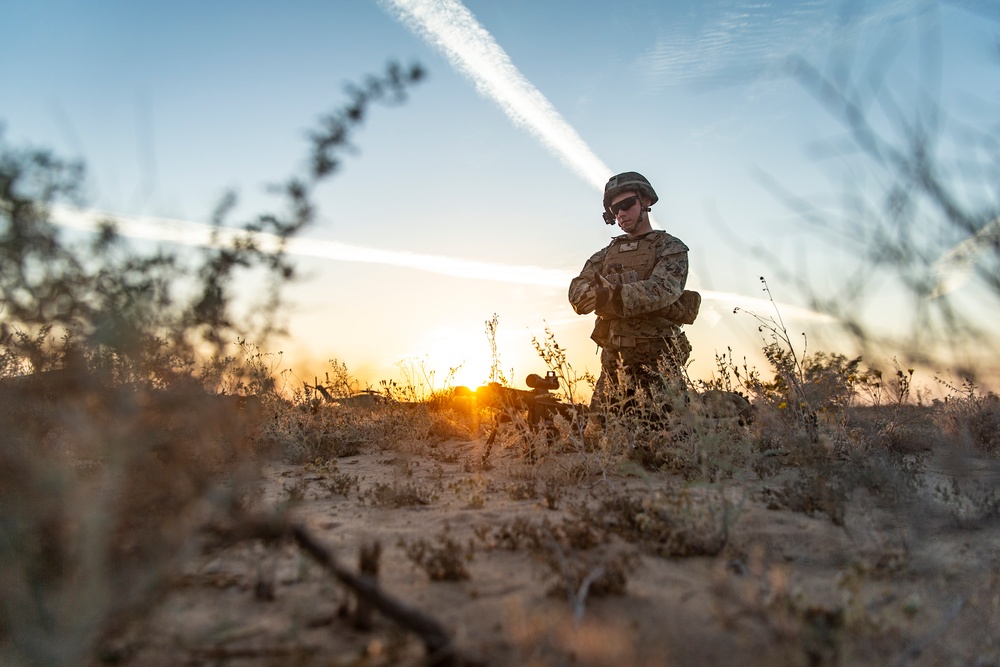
550	381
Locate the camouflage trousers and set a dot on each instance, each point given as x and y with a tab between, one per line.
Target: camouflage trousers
641	366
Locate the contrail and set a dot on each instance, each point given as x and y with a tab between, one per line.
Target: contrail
954	268
452	29
200	235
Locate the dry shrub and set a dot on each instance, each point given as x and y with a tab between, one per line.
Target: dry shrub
523	490
115	443
302	433
444	559
588	574
972	419
904	429
395	495
684	522
810	492
509	535
101	489
581	531
340	484
336	420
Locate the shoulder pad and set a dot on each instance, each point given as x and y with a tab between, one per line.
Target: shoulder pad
670	244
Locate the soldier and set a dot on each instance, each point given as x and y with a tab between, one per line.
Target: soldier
636	287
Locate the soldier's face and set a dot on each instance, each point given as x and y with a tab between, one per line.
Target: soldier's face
630	210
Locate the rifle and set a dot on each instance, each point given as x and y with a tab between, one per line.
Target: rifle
540	406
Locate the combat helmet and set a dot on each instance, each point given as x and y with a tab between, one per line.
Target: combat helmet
629	181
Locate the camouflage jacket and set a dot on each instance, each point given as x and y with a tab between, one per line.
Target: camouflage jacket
648	274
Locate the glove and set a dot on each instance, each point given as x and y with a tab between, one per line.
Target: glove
604	293
588	302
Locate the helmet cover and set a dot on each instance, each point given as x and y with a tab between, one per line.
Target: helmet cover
629	181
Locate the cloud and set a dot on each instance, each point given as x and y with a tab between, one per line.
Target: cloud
762	307
736	41
452	29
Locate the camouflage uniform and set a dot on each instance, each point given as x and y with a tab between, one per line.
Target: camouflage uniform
639	322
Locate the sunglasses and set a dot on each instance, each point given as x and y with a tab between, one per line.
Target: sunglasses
623	205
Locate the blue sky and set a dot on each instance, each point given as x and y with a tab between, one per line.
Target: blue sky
171	104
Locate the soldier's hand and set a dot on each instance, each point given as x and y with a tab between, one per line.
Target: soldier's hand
604	281
588	302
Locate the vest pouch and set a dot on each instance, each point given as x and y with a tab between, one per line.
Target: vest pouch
685	309
602	330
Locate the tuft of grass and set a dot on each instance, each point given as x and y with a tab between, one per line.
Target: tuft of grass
395	495
811	492
340	484
579	575
683	522
443	559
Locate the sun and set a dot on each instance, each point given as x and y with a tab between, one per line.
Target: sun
449	358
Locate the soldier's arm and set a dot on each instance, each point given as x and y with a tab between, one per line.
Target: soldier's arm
581	288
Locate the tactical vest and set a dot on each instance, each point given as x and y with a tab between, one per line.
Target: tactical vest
626	255
626	261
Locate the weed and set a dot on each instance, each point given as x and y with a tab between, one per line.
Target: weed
552	493
971	417
581	575
812	491
340	484
443	560
510	535
496	370
296	493
394	495
525	490
475	488
788	386
969	501
684	522
554	357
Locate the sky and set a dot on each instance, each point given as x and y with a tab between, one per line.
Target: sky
480	195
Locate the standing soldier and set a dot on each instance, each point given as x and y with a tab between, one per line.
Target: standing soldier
636	287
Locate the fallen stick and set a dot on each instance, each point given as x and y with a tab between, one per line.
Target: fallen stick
432	633
434	636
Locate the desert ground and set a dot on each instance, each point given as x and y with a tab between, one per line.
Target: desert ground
756	554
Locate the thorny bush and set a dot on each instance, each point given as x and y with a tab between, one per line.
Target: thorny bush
126	404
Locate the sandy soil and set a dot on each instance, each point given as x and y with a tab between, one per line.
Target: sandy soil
634	568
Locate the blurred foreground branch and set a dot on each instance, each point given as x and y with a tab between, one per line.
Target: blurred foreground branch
917	212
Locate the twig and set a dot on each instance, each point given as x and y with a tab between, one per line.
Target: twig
434	636
915	649
581	595
604	480
432	633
